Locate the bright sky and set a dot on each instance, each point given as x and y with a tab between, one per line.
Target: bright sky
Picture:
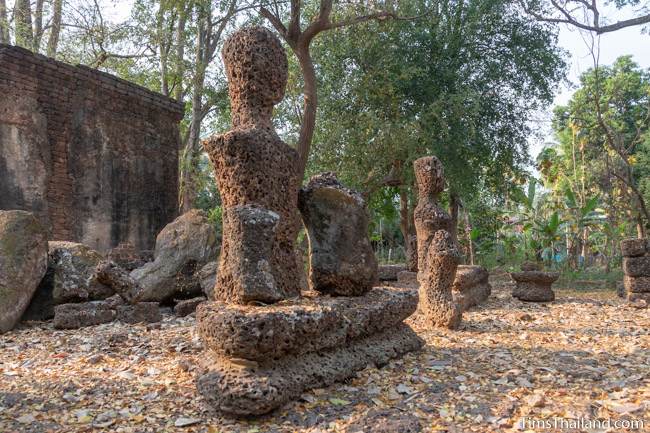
629	41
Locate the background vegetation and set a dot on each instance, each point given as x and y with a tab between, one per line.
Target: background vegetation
375	85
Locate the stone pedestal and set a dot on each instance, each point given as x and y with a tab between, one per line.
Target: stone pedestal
636	267
534	285
471	286
264	356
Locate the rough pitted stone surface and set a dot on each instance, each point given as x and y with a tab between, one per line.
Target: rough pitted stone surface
93	156
119	280
341	258
183	247
407	277
636	266
79	315
23	262
436	297
412	253
70	278
207	278
429	216
249	388
245	267
300	326
389	272
471	286
127	257
637	284
142	312
534	286
634	297
187	306
252	164
634	247
437	254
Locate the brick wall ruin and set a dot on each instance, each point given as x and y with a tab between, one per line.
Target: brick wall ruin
94	156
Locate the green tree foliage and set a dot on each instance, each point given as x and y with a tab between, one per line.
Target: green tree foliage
602	143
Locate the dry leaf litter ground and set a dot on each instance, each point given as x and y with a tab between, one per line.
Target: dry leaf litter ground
585	355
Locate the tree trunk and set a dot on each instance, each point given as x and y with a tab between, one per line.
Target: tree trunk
309	108
55	30
470	244
179	70
4	23
23	24
454	205
188	190
38	26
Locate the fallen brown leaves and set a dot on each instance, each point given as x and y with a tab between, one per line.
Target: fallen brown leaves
586	355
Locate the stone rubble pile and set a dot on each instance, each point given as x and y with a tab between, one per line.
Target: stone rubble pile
636	269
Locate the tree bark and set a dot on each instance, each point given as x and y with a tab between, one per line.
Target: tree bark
38	26
470	243
454	205
4	23
55	30
23	24
310	106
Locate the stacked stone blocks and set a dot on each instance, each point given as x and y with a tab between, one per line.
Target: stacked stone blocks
636	268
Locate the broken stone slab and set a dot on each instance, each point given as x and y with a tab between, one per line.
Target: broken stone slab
472	296
142	312
187	306
244	388
23	262
301	325
389	272
534	286
471	286
636	284
208	277
634	247
468	276
110	274
70	278
182	248
341	258
79	315
636	266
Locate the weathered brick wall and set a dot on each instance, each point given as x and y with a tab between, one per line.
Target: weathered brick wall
96	157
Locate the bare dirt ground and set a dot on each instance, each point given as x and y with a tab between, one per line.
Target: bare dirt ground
585	355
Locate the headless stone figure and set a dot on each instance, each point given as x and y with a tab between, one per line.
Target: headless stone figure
255	168
438	257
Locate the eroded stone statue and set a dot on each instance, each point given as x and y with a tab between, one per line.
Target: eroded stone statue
253	166
438	257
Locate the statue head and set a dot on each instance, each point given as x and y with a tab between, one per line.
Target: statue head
256	68
429	176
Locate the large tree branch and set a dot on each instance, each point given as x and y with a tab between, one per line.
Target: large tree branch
566	16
